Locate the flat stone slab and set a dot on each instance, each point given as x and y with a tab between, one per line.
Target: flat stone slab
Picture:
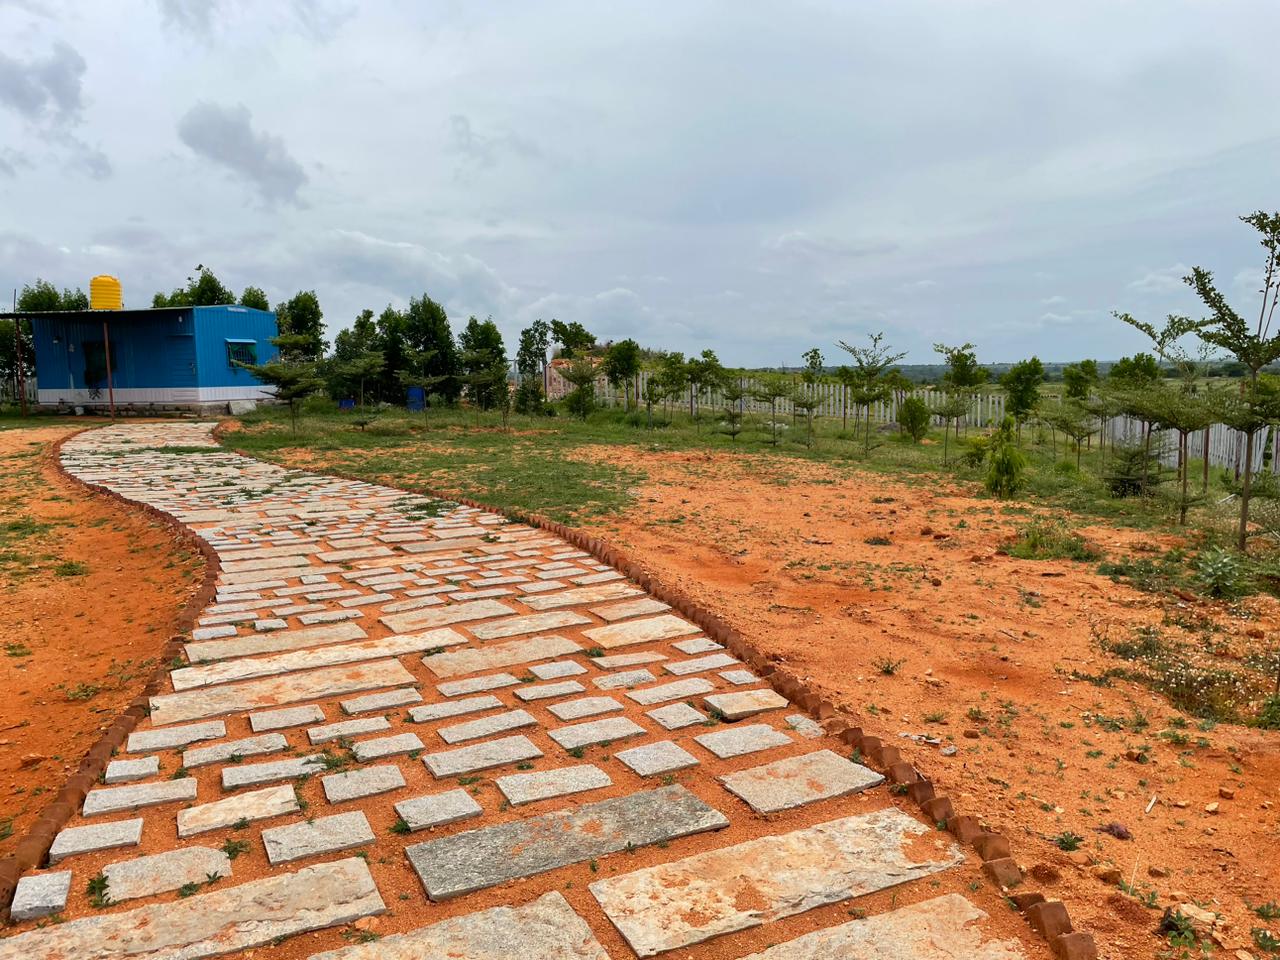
556	670
584	707
40	894
246	807
438	809
354	784
629	608
674	905
797	781
252	774
276	642
223	752
676	716
126	771
283	719
487	726
654	758
294	841
531	623
739	678
392	746
626	678
746	703
476	859
711	661
443	616
595	731
696	645
162	872
247	668
570	598
98	836
453	708
138	795
613	661
146	741
347	728
272	691
545	691
480	756
382	701
640	631
676	690
807	727
945	928
737	741
493	681
546	929
521	788
224	920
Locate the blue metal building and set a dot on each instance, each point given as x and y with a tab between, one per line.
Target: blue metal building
162	357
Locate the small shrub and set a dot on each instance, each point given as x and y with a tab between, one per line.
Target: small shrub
233	848
1068	841
913	417
888	667
1269	715
1006	471
1220	573
1133	471
1050	541
974	453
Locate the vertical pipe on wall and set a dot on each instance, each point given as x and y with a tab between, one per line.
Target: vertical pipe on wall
106	350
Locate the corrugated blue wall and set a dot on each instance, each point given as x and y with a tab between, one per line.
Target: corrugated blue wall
147	350
215	326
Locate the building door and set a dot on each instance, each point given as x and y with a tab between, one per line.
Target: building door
180	362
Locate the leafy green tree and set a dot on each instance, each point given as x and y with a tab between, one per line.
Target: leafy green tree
484	363
417	372
805	400
913	416
426	331
950	407
390	337
1138	370
621	367
1255	345
963	372
202	290
1007	465
255	298
673	375
531	365
1080	378
582	373
301	317
813	366
652	395
1073	420
732	393
358	339
1022	389
43	296
704	373
292	375
574	339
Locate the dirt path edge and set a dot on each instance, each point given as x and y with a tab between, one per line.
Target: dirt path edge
34	844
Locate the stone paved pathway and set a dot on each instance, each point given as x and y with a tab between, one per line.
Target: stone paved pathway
402	708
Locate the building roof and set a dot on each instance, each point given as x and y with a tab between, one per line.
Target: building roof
127	314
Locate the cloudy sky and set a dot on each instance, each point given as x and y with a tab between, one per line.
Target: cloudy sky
754	177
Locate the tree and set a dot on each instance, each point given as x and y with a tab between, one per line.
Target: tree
389	337
950	408
771	388
582	374
1007	464
1022	388
202	290
1075	421
574	338
484	363
255	298
621	367
293	378
806	401
302	317
673	374
531	365
363	368
43	296
1080	378
704	373
732	393
653	394
357	340
1256	346
913	416
1138	370
417	372
963	372
426	331
870	364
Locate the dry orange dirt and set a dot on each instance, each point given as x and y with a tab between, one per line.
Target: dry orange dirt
90	591
843	576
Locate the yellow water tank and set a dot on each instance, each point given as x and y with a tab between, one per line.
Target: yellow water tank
105	293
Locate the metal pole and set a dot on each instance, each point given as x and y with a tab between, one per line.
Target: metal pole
106	349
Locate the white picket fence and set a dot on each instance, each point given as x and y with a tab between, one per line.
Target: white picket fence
1226	447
